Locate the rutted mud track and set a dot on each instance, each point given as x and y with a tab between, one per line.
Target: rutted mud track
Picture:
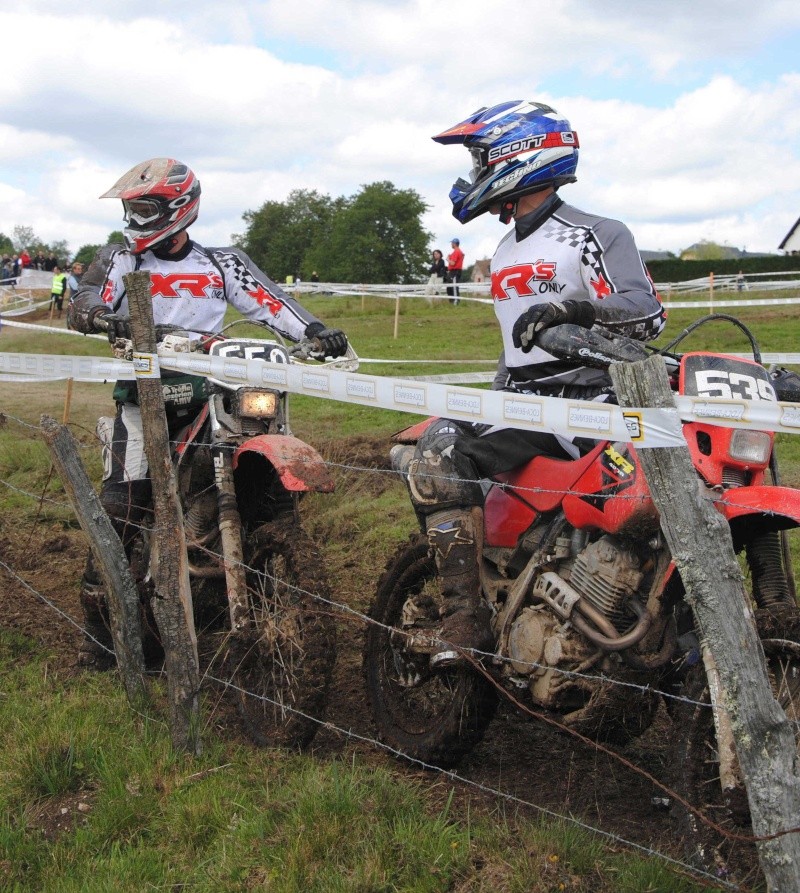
520	756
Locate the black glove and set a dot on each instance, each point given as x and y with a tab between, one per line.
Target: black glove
114	326
332	342
545	316
787	385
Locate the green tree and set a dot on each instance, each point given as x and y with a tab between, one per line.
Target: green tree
280	234
705	250
6	245
377	236
86	253
23	237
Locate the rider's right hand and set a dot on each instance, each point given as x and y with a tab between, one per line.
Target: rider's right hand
113	325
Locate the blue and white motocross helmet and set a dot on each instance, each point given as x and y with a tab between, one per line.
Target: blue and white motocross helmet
517	147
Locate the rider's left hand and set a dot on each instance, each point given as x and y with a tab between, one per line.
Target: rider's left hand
332	342
545	316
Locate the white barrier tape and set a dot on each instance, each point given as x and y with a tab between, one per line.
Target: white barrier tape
646	427
716	304
570	418
59	367
54	330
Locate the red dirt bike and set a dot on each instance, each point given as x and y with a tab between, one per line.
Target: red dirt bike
590	618
254	571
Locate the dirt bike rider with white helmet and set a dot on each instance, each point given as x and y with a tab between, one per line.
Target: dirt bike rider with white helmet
557	265
191	288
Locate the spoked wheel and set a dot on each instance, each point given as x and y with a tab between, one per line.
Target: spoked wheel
698	765
282	662
433	716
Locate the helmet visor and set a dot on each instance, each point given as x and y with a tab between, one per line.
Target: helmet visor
141	211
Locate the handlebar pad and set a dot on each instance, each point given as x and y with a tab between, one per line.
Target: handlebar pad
588	347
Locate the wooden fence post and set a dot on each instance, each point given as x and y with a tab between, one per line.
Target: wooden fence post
122	595
699	540
172	602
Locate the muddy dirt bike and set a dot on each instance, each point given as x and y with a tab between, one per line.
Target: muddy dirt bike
589	613
254	571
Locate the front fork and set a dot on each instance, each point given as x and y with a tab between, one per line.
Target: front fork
230	528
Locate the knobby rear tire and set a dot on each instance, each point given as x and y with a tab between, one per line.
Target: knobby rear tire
442	716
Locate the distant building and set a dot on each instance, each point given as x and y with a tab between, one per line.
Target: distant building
480	270
791	244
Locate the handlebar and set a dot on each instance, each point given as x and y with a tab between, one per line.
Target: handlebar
589	347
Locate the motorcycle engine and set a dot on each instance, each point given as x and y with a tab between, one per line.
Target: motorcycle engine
542	646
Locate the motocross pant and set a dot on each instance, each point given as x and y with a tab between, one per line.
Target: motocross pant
126	496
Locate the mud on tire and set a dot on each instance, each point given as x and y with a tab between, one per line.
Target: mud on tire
435	717
283	663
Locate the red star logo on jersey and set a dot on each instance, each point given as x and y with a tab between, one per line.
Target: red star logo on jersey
601	288
265	299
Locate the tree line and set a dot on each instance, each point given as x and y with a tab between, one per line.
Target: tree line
374	236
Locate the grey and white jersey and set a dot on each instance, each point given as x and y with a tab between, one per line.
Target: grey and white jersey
191	291
569	255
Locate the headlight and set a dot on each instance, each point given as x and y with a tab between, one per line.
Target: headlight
256	404
751	447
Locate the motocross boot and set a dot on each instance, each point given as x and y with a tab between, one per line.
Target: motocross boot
456	538
97	649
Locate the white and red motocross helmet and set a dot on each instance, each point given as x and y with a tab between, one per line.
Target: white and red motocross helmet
161	197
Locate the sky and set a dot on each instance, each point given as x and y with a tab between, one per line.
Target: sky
688	113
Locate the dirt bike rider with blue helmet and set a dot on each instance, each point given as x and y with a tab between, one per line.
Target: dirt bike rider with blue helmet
191	288
557	265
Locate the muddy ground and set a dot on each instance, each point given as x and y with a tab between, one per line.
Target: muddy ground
520	756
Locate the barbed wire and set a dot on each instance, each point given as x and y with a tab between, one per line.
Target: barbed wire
229	684
364	618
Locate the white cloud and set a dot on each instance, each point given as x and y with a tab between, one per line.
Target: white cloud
266	97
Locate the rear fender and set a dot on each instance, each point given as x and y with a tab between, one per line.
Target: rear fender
299	466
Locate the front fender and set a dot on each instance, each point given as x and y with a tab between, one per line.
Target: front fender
299	466
784	502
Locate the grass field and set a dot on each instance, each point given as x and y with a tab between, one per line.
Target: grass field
93	799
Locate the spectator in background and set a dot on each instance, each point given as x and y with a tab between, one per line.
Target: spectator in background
437	273
74	278
39	260
741	283
455	265
6	277
50	263
58	289
25	258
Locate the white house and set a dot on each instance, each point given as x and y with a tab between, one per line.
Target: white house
791	243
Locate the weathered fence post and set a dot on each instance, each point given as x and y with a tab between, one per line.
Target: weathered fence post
172	601
109	555
699	540
396	312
